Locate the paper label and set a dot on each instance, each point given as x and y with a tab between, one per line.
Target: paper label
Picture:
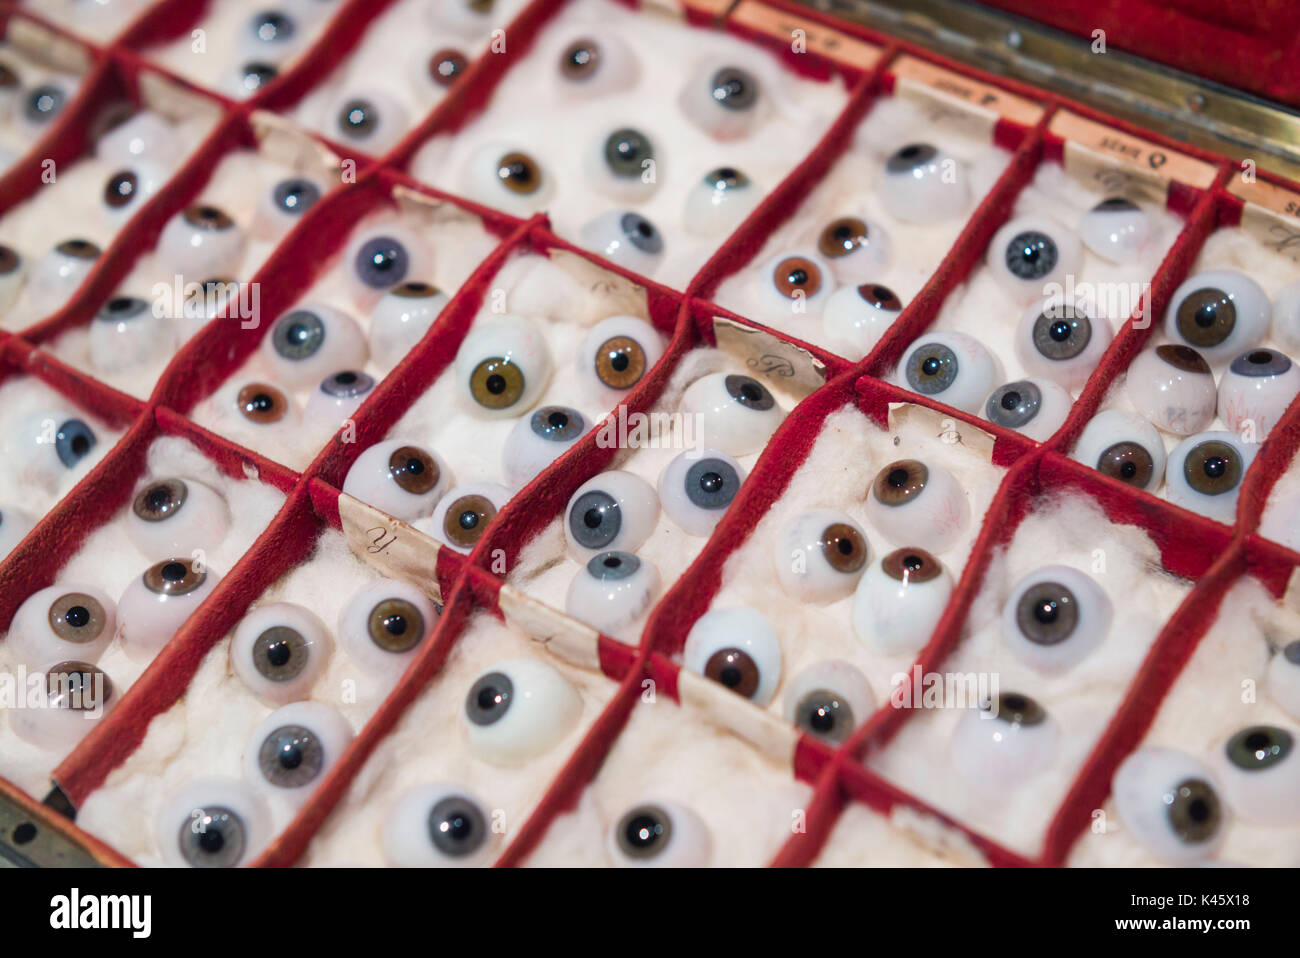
805	35
987	102
1271	214
573	641
280	139
773	737
391	546
46	47
944	428
782	365
1092	148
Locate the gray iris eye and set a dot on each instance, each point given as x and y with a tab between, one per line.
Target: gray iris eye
291	756
1014	404
644	832
641	233
43	103
932	368
1047	613
613	565
825	714
280	653
595	519
749	393
734	89
489	698
1261	362
558	423
1031	255
348	384
215	839
295	196
711	484
910	157
299	335
1062	334
121	308
457	826
382	262
626	152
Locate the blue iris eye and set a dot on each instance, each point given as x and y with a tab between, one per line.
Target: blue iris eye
382	262
73	442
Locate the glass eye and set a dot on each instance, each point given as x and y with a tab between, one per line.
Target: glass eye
369	119
736	413
1260	773
923	184
1283	677
270	36
1171	804
201	241
855	248
794	283
697	487
1125	447
518	710
464	513
127	334
537	440
10	90
612	511
1204	473
339	396
1116	229
48	445
1030	253
1286	317
1003	743
914	501
736	647
508	178
311	341
660	835
280	207
127	189
14	526
829	699
1172	387
612	591
58	274
248	78
719	202
205	300
952	368
156	604
401	318
13	273
76	695
439	826
293	748
623	165
66	621
145	135
1062	341
464	18
615	354
41	104
820	555
1034	407
625	238
445	66
899	600
400	478
174	516
279	651
262	405
1257	387
725	102
503	366
213	823
384	256
1220	313
855	317
383	625
1054	617
597	65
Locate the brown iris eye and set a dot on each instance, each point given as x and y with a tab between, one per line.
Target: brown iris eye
77	686
1213	468
78	249
395	625
76	617
1017	709
1183	357
9	261
734	669
620	362
881	297
466	519
842	237
900	482
262	404
413	469
446	65
519	173
844	547
8	77
206	217
580	60
160	500
120	189
496	383
797	277
911	564
1128	462
1195	812
174	577
1206	317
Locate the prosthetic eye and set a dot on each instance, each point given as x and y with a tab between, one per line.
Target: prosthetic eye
820	555
614	511
1172	387
518	710
1220	313
697	488
1123	446
737	648
279	651
952	367
899	600
611	591
911	501
1171	804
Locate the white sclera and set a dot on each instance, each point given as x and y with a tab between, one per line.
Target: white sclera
802	553
922	184
1257	387
190	811
742	628
311	341
1172	388
453	509
1286	317
509	727
1222	503
1062	340
13	274
407	837
127	334
936	514
726	102
611	591
795	283
483	179
368	118
894	610
697	488
57	275
44	446
1033	407
604	63
964	387
33	638
856	317
176	517
14	526
1036	271
615	510
626	238
68	713
142	178
1283	678
149	618
608	362
689	843
997	753
329	735
1051	649
736	413
719	203
1152	787
401	318
354	626
338	397
145	136
834	717
382	256
1266	792
1112	427
201	241
1116	229
494	347
373	480
282	204
538	439
283	667
1251	312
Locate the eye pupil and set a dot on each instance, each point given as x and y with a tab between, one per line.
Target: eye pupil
1010	400
1198	810
751	392
1047	612
278	654
613	562
1128	470
211	840
592	518
489	698
897	478
1215	467
912	563
395	625
290	756
620	361
495	384
173	571
730	676
1015	703
844	546
558	420
77	616
931	366
1205	316
797	277
1260	357
711	482
468	519
1060	330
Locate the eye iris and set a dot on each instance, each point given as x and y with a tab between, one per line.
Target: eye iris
1128	462
734	89
1194	811
842	237
749	392
1213	468
173	577
358	118
489	698
912	157
558	423
519	173
881	297
296	196
73	441
911	565
1259	747
348	384
395	625
620	362
826	715
900	482
120	189
1047	613
1260	363
261	403
626	152
1017	709
382	262
797	277
1063	334
644	832
160	501
1206	317
76	617
214	839
931	369
457	826
609	566
466	520
446	65
77	686
843	547
726	178
413	469
595	519
1014	404
300	335
734	669
291	756
711	484
496	383
280	653
1031	255
641	233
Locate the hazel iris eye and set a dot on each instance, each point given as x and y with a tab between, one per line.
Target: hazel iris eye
797	277
160	501
1213	468
496	383
77	617
1018	709
1194	812
1128	462
620	362
826	714
395	625
205	217
413	469
1031	255
842	237
280	653
519	173
1207	317
734	89
466	520
1259	747
644	832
